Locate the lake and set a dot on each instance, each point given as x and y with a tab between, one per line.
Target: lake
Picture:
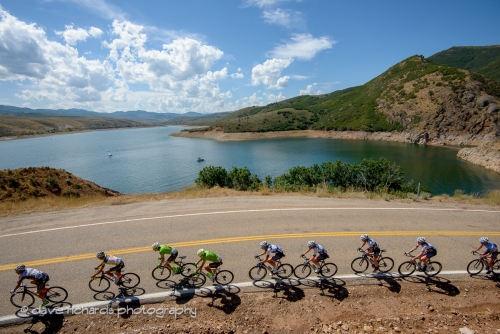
150	161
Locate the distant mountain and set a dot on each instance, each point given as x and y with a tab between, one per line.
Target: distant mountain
193	120
415	95
481	59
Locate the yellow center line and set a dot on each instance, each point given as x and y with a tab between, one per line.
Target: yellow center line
88	256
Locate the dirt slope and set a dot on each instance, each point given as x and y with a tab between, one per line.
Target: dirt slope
384	306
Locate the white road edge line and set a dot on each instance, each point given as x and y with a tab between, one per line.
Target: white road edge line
153	298
229	212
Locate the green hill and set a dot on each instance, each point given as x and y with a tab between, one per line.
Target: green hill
481	59
415	94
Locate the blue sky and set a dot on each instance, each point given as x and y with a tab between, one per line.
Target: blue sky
217	55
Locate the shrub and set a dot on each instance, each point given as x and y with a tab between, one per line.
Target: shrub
212	176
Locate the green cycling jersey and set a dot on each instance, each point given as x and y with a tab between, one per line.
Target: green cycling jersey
209	256
164	249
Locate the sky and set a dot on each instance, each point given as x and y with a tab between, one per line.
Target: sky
217	55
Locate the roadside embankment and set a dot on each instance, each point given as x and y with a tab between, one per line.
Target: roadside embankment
487	155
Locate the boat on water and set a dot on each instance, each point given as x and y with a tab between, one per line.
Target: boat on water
200	159
109	153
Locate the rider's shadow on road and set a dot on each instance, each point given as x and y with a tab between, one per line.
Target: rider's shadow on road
333	287
224	298
389	282
53	324
435	284
172	285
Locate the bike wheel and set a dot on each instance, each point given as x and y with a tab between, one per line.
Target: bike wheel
475	267
161	273
385	264
496	267
359	264
99	284
187	269
302	270
284	270
56	294
196	280
328	269
130	280
22	299
257	273
406	268
433	268
224	277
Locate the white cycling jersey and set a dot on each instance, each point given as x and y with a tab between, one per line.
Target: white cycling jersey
319	249
371	243
31	273
112	260
273	249
427	247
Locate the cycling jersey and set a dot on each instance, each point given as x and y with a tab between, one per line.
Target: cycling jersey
33	274
372	243
112	260
273	249
427	248
319	249
209	256
164	249
491	248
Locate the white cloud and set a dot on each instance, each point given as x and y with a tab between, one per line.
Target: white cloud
263	3
101	8
302	46
274	98
310	90
286	18
73	36
269	73
237	75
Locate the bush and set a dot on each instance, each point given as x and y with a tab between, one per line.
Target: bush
212	176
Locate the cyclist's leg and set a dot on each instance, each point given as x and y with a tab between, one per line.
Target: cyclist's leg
317	258
376	253
41	290
492	259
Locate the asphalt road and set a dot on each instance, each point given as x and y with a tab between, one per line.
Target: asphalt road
64	243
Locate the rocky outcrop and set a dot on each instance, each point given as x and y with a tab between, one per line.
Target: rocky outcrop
487	155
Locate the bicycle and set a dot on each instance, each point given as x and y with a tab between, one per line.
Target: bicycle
303	270
162	273
259	271
102	283
409	267
222	277
26	297
476	266
360	264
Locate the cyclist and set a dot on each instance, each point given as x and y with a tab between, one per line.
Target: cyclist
37	277
115	272
268	249
164	249
206	255
373	247
320	253
428	251
491	250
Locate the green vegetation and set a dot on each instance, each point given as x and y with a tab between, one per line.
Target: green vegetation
370	107
380	176
481	59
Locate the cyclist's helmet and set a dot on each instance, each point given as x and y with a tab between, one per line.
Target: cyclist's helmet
156	246
483	240
364	236
100	255
200	251
420	239
311	244
19	268
263	244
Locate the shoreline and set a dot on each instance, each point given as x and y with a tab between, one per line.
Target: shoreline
481	150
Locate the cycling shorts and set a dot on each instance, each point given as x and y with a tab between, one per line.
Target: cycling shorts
216	264
430	254
118	268
322	256
277	256
494	255
375	250
173	256
40	283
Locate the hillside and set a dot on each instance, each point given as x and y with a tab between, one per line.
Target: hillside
197	120
415	96
481	59
12	126
31	182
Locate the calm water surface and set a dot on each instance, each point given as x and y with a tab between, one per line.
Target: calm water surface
150	161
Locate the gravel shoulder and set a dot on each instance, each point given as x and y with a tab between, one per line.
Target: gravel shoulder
415	305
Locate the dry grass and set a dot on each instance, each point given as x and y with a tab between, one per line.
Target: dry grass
33	205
